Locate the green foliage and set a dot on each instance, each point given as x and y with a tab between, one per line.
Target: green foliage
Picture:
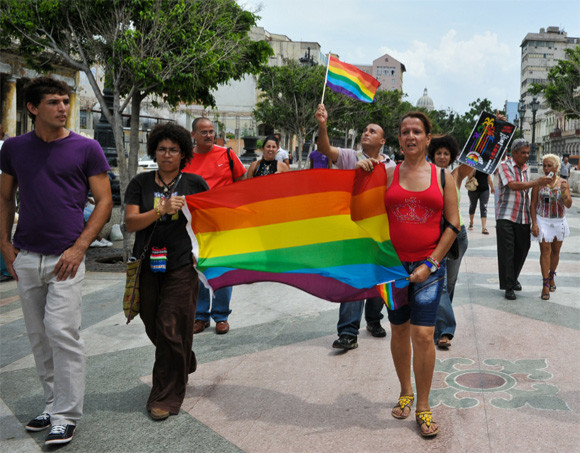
178	50
562	92
289	97
291	94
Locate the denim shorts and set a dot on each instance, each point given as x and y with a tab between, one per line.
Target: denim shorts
423	298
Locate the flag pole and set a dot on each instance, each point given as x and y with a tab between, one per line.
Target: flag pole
325	78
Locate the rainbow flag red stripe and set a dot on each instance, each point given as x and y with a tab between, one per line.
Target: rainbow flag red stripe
323	231
348	79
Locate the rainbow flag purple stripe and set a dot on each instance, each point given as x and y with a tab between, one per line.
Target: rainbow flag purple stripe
323	231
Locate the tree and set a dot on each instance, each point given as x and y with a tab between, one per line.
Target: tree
290	96
178	50
562	91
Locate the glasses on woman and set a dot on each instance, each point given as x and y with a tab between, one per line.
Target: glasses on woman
171	151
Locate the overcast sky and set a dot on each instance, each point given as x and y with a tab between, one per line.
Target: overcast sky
458	49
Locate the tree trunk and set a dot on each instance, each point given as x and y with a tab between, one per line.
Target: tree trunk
122	165
300	146
353	141
134	135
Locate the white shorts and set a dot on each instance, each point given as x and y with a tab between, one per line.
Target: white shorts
551	229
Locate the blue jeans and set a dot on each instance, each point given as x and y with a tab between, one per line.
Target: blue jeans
220	308
424	298
350	314
445	323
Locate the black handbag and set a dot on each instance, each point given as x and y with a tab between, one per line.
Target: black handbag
453	252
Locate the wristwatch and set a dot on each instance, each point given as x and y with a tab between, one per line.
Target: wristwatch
431	266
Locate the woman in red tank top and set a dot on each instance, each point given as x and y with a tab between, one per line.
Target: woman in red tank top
415	202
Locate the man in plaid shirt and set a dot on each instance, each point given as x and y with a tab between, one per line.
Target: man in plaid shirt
513	216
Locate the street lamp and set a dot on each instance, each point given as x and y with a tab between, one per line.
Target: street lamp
534	104
522	112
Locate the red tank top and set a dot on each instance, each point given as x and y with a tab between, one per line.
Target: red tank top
414	218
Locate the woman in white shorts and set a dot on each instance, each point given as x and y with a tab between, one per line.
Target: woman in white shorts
549	226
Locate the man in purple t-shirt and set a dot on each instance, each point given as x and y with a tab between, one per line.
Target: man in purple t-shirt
350	313
318	160
54	169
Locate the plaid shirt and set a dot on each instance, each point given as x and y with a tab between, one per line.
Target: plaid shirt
513	205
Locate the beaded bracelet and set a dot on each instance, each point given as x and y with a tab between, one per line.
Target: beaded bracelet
434	262
158	211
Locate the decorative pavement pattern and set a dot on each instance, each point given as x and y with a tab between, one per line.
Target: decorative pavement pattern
503	376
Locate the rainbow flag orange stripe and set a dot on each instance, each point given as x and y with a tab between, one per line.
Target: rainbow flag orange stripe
348	79
323	231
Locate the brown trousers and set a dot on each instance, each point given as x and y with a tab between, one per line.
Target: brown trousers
168	302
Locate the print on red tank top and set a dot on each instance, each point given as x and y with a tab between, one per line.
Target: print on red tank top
414	218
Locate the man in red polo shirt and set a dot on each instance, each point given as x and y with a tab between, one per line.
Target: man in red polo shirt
219	167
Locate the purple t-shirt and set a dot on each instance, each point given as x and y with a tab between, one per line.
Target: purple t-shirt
53	182
319	160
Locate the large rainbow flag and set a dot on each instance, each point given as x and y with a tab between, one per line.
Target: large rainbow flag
323	231
348	79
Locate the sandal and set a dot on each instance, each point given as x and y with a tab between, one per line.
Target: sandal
444	342
546	295
426	418
484	231
551	277
404	402
470	226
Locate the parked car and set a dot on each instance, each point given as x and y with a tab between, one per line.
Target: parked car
147	163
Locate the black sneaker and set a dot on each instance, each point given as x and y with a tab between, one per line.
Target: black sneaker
376	330
517	286
345	342
39	423
510	294
60	434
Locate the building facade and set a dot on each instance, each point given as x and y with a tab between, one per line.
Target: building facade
540	52
388	71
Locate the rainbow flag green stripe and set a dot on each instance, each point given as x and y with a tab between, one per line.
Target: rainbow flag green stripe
321	255
323	231
351	81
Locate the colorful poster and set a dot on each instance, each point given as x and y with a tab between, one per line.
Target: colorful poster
487	143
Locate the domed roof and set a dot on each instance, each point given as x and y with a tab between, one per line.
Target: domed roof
425	101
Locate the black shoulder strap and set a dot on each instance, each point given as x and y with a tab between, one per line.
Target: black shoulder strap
447	224
231	162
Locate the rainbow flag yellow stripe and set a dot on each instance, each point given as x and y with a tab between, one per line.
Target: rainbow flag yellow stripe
351	81
323	231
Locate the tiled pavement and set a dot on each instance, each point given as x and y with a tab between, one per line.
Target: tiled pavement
509	382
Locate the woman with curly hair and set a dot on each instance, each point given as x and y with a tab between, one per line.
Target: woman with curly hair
168	282
549	225
443	151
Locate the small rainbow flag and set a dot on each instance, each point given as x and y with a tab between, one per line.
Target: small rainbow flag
386	292
323	231
348	79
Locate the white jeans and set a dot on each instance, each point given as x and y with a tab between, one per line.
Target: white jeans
52	313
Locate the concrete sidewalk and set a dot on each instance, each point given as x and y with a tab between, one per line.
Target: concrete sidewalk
508	383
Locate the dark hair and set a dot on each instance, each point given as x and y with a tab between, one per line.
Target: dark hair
37	88
271	137
443	141
197	120
175	133
421	116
